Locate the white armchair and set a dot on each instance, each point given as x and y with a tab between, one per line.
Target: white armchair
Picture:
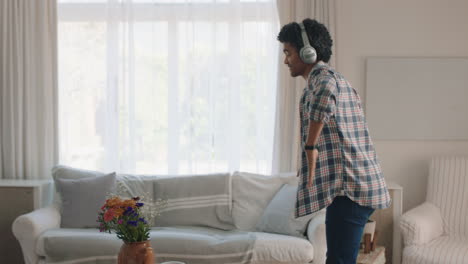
437	230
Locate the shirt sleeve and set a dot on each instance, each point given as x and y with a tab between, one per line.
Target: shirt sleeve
322	101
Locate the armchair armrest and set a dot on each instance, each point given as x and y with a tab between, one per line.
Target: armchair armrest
316	235
27	228
421	224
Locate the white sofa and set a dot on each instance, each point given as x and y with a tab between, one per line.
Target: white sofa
437	230
250	220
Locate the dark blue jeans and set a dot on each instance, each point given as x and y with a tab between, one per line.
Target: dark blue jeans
344	223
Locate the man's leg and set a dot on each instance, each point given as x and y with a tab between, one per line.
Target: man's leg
345	222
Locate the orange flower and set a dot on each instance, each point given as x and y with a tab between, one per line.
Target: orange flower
128	203
113	202
116	207
119	212
109	215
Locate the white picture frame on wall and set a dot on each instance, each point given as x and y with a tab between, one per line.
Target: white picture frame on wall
417	98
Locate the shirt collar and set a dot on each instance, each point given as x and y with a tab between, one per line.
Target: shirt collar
315	70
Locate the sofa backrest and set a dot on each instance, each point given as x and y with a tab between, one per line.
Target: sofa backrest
447	189
189	200
220	200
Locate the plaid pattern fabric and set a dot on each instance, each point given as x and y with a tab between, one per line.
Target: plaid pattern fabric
347	160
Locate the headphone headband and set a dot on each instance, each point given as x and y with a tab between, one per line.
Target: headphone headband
305	38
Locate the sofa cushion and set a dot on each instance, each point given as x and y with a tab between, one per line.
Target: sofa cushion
251	194
83	198
195	245
198	200
188	244
64	244
279	217
276	248
202	245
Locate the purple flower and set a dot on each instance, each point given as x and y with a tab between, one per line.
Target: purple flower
120	221
141	219
133	223
128	211
139	204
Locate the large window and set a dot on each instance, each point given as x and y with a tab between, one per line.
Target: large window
167	87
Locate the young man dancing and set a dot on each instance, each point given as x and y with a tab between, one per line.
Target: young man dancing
339	169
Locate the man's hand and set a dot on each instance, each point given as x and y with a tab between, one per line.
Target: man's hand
312	156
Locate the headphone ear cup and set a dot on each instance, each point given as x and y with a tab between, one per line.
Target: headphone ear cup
308	54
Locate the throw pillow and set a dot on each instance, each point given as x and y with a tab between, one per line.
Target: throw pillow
82	199
65	172
251	194
278	216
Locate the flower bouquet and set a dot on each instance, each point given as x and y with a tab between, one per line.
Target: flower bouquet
129	220
125	219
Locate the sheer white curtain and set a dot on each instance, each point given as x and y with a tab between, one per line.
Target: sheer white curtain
286	139
28	82
159	86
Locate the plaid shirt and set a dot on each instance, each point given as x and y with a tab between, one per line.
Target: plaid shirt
346	160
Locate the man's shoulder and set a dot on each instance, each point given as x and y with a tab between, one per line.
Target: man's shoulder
322	76
324	71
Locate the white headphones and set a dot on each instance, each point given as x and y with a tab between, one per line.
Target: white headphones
307	53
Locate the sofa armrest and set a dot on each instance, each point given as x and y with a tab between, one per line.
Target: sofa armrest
421	224
28	227
316	235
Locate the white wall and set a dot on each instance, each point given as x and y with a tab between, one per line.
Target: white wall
411	28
